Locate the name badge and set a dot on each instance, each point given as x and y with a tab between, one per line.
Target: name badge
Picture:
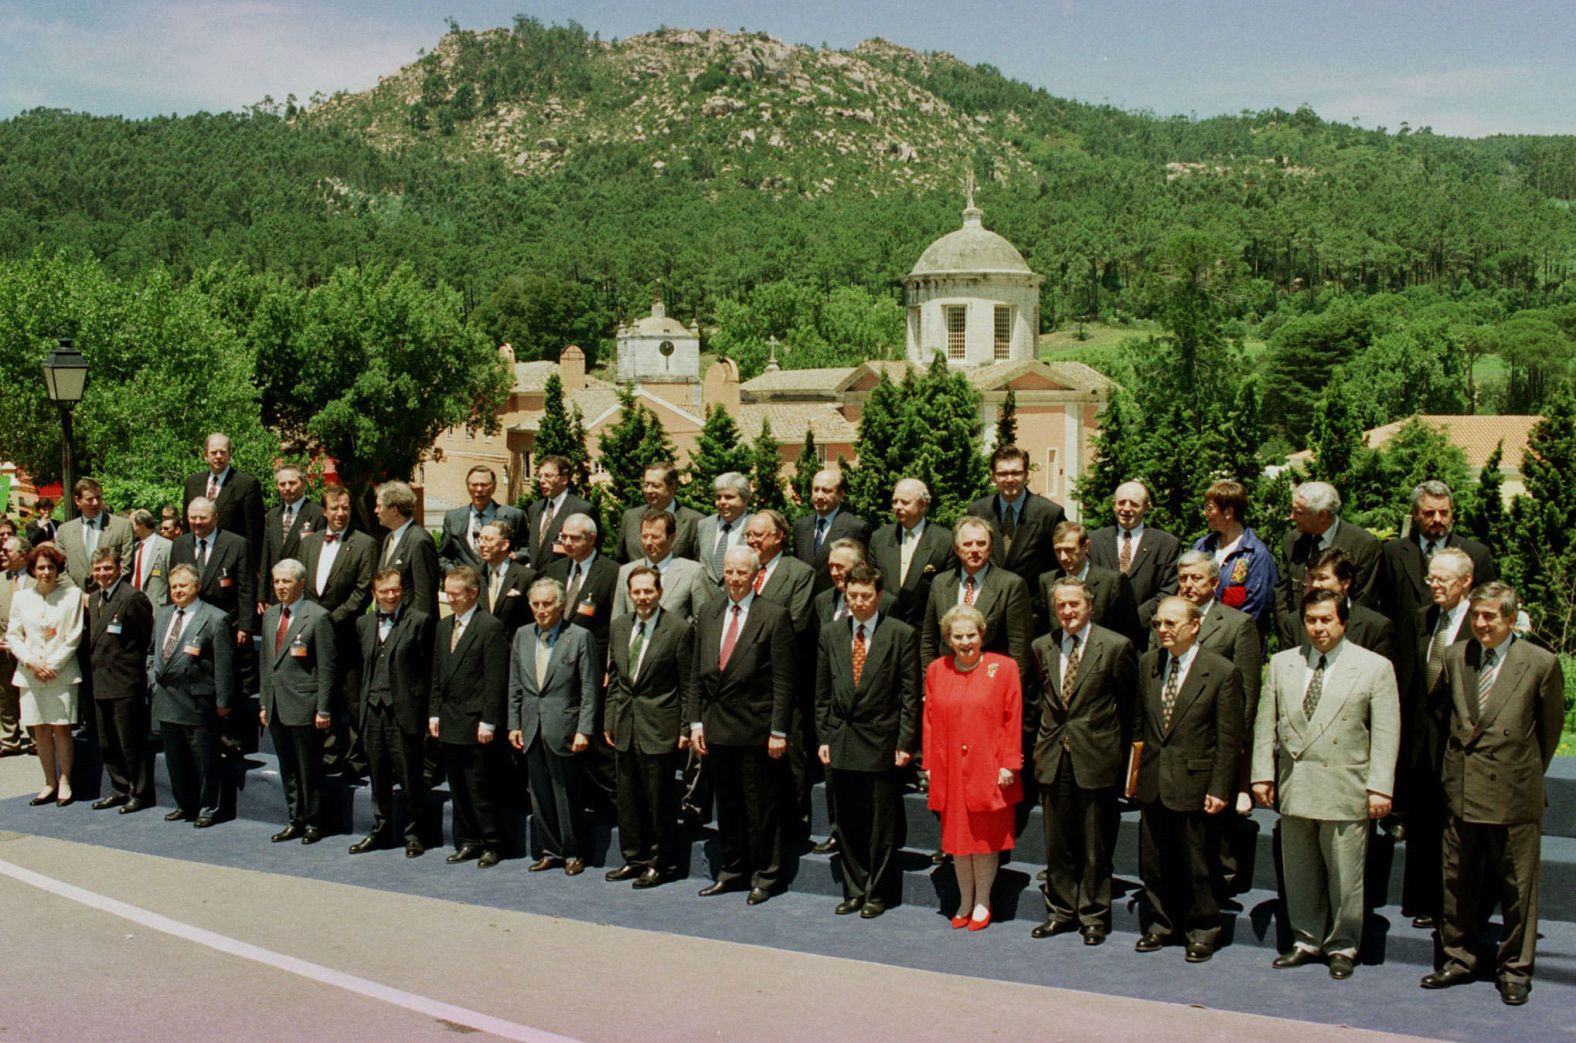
586	609
113	628
297	651
193	650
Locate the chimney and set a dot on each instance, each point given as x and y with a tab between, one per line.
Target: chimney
721	386
572	369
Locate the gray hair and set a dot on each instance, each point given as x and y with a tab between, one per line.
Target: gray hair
778	520
1319	497
920	489
970	521
105	554
1135	483
581	523
967	613
287	469
399	496
1188	608
848	543
199	503
229	445
547	583
183	569
746	553
1432	488
1071	583
1459	560
1189	558
1502	593
732	481
291	568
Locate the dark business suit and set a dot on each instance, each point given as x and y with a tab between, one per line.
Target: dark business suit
543	551
844	525
1193	756
1003	599
346	593
740	705
119	634
279	544
1110	594
396	676
512	607
645	713
470	686
189	685
1080	754
1298	549
1153	572
228	584
1403	571
864	723
931	558
454	539
684	541
1029	552
238	507
549	715
1494	764
792	585
417	560
298	685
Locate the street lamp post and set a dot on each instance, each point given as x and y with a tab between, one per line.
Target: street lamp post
65	376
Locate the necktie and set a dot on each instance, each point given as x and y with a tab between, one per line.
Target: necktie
388	548
1168	698
1070	674
90	536
1009	522
730	637
202	554
494	588
820	533
573	589
906	541
454	637
547	522
1492	661
721	550
476	531
544	656
1125	562
136	568
635	646
173	637
1436	651
286	516
1428	550
968	591
279	635
213	487
842	610
760	579
1310	698
859	653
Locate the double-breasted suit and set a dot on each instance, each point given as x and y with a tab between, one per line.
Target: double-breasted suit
396	672
470	688
119	633
1324	769
1153	571
297	655
645	715
1498	745
863	723
190	685
1080	753
1187	755
931	556
549	705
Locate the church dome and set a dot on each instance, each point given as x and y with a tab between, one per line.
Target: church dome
971	249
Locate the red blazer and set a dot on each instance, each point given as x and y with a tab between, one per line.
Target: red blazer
977	718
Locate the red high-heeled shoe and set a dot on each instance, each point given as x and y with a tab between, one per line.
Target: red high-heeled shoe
960	922
980	925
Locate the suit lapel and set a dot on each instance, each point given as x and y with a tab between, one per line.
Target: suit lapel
1508	680
1337	682
1292	691
1090	647
752	625
293	631
1192	685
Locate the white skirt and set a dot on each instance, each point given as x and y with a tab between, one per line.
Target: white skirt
49	706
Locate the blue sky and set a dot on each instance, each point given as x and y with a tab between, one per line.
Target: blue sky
1468	67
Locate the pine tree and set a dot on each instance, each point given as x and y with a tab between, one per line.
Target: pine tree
1488	522
1337	436
1007	420
628	447
554	436
941	419
1542	526
718	449
766	476
882	448
1115	454
579	455
804	471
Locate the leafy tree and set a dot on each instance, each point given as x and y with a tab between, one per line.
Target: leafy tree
628	447
1542	525
718	449
804	471
1337	436
1302	353
539	314
1007	420
942	424
884	449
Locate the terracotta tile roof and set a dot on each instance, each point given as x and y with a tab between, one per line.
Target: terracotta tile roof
789	420
1476	436
532	376
804	380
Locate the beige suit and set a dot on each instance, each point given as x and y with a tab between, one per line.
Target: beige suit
1324	768
114	531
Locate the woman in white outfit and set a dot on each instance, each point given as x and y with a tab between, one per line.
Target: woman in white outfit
45	629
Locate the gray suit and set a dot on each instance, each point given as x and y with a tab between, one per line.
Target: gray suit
114	532
298	676
152	572
685	588
549	715
706	531
197	679
1323	770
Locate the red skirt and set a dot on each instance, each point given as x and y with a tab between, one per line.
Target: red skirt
965	832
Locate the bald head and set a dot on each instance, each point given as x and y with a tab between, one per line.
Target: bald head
1131	503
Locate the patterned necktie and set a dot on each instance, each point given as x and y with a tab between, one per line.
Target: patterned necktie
1125	562
760	579
1168	698
286	516
1489	673
454	637
721	550
820	533
547	522
859	653
1436	650
1070	674
635	645
730	637
1310	698
572	591
330	537
279	635
173	637
213	487
968	591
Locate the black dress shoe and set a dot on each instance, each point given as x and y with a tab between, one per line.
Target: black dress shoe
758	895
650	878
65	802
114	800
1340	967
1514	993
1447	978
290	832
464	854
1295	958
825	847
1149	943
132	806
1198	952
47	798
1093	935
623	872
176	816
415	849
204	821
311	835
849	905
574	866
718	888
370	842
489	858
1053	927
938	858
1424	922
543	863
873	908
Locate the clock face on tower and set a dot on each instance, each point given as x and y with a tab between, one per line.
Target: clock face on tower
666	347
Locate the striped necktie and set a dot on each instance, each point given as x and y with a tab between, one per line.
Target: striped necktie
1489	673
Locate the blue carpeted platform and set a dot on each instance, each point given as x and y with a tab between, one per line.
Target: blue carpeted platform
1383	995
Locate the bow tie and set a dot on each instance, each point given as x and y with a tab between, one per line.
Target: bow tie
386	617
330	537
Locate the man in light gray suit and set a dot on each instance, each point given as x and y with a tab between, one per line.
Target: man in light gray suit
684	584
717	534
298	674
150	558
555	690
1324	753
192	677
92	528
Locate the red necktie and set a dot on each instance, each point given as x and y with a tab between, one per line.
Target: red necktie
279	635
760	579
968	591
136	568
730	637
859	653
213	487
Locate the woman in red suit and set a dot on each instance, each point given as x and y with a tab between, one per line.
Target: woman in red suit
973	753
